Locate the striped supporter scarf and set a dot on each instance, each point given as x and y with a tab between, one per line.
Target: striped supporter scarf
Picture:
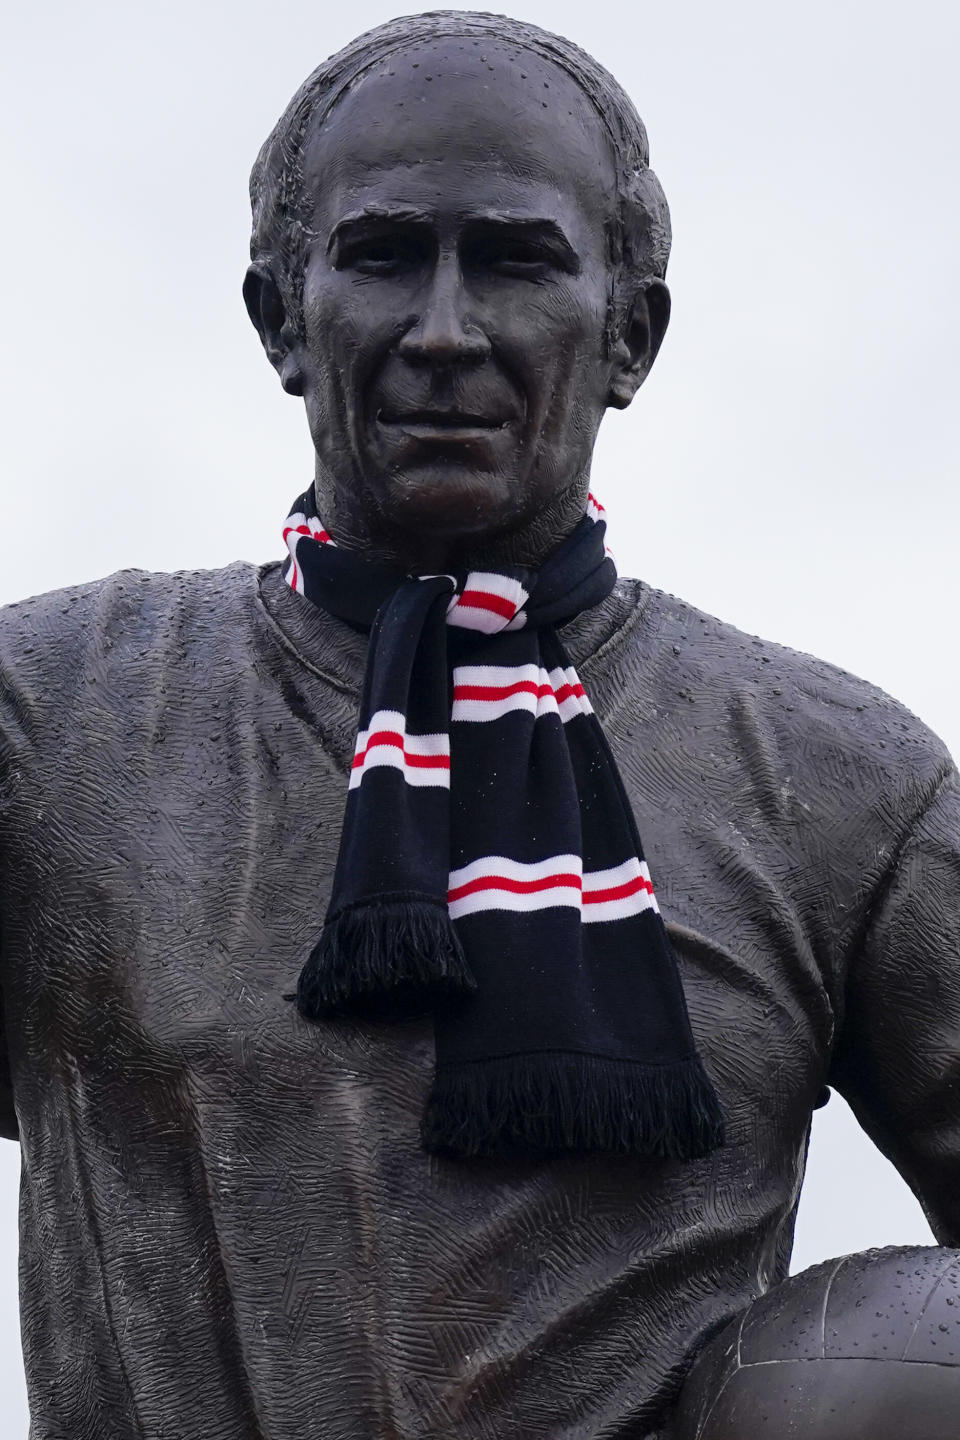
490	867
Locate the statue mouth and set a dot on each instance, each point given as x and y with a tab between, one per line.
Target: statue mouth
445	420
444	426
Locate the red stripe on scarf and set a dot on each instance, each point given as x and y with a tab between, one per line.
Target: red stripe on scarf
501	692
483	600
393	737
617	892
516	887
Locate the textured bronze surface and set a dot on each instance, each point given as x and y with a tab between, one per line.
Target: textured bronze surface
229	1228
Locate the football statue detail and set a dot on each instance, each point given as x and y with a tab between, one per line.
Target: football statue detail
862	1348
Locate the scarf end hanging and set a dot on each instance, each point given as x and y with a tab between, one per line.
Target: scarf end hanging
570	1101
383	954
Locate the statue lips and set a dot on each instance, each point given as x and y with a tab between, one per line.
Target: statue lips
444	426
448	414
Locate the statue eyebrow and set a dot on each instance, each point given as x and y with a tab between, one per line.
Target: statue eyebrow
528	227
372	219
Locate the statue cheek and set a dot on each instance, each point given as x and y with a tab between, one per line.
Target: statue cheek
571	329
348	344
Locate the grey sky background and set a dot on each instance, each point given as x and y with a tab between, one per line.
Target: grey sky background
791	465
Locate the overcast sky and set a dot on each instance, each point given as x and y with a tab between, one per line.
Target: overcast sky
791	465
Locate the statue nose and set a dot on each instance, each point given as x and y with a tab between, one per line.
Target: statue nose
442	333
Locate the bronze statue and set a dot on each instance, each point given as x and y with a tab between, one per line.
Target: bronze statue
230	1222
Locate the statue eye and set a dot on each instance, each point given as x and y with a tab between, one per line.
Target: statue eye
512	257
519	256
523	253
378	254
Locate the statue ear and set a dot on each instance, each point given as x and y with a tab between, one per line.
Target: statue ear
641	337
265	307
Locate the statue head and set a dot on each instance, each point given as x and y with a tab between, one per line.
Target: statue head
458	256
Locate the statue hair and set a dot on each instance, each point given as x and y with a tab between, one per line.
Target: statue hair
640	234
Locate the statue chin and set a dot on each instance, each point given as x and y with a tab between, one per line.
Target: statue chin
439	509
455	486
453	504
863	1348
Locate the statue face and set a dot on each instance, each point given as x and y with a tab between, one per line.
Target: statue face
456	289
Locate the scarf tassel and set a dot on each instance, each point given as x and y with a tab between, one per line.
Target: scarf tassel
573	1102
384	956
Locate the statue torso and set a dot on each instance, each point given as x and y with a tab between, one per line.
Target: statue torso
228	1226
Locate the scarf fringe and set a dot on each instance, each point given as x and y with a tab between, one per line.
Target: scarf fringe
385	955
573	1102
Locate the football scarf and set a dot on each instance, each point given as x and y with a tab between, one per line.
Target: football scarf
490	868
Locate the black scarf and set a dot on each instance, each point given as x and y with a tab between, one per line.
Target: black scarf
490	866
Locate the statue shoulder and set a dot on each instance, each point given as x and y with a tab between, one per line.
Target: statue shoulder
103	630
781	707
57	626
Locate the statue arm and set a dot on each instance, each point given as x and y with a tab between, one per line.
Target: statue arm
898	1059
8	1116
12	706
